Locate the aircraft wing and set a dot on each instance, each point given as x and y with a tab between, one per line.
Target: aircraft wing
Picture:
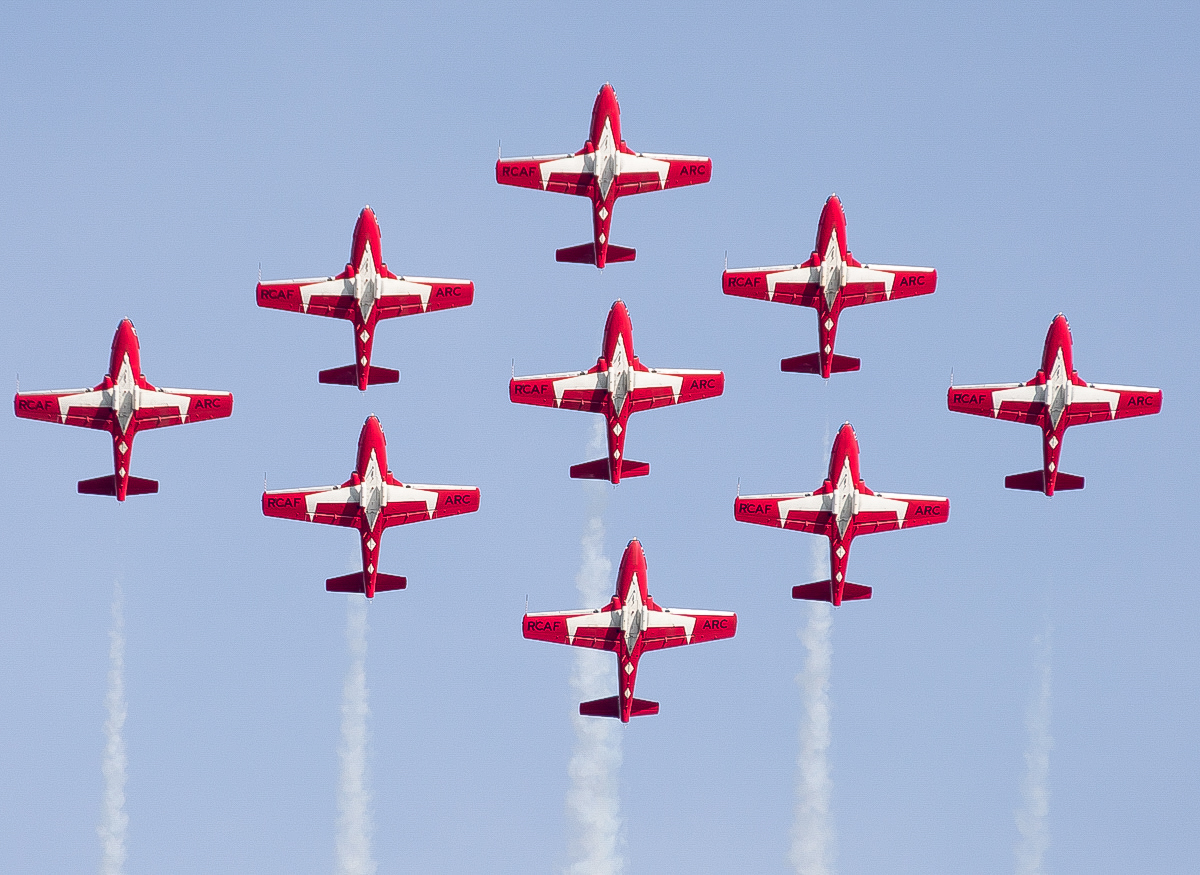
888	511
320	296
648	171
89	408
871	283
334	296
566	174
800	284
599	630
581	390
330	505
160	408
1014	402
784	283
404	296
659	388
802	512
1097	402
675	627
414	502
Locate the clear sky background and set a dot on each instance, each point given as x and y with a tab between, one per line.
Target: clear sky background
1042	158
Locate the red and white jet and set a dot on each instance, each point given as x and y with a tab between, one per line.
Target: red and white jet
603	170
629	625
365	292
1055	399
123	404
618	385
831	280
370	501
841	509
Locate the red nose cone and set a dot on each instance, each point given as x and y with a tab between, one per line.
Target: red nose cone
633	563
618	326
366	233
833	221
1057	337
606	108
371	438
845	446
125	342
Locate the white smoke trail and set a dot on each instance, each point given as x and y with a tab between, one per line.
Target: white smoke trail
813	836
593	804
354	794
114	821
1033	814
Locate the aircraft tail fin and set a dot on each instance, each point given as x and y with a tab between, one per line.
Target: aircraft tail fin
611	707
348	376
1035	481
599	470
811	364
354	583
107	485
822	591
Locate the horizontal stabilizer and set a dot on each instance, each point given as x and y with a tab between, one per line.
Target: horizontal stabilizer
389	582
611	707
354	583
615	255
585	253
1035	481
348	376
346	583
598	470
108	486
822	591
811	364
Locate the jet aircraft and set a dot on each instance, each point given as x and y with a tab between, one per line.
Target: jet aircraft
629	625
841	509
1055	399
123	404
603	170
370	501
365	292
618	385
831	280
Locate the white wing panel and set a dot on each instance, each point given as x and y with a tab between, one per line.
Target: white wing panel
566	164
805	501
1022	394
646	162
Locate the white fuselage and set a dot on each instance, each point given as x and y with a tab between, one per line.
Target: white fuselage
1058	389
633	615
124	398
372	492
606	160
619	376
833	271
845	499
366	283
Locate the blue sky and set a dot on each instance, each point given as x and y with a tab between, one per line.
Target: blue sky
1041	158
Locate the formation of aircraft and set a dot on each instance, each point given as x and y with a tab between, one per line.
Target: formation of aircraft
631	624
123	403
841	508
365	292
617	386
603	170
1054	400
371	500
831	280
